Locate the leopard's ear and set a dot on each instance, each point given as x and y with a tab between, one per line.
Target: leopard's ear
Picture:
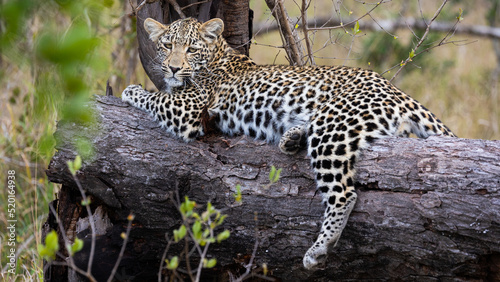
211	29
154	28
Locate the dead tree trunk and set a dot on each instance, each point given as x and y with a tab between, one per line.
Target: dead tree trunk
426	208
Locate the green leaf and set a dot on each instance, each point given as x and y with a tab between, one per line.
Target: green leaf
180	233
75	165
78	162
221	219
108	3
209	263
355	29
49	250
197	230
76	246
277	176
274	175
223	236
237	196
412	53
173	263
52	241
71	167
206	233
86	202
209	212
459	17
84	146
187	207
210	208
271	173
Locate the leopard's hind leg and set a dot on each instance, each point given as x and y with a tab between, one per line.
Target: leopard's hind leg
333	148
336	135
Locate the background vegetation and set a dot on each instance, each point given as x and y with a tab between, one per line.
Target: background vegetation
55	54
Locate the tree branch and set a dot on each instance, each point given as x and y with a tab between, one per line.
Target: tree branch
392	25
291	40
303	15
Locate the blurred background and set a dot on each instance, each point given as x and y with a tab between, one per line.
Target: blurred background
56	54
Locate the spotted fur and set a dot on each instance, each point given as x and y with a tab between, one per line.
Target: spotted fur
333	111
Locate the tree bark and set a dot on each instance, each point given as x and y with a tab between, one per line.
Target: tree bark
427	209
236	15
289	36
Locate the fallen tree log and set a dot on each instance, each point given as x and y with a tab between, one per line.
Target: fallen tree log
427	209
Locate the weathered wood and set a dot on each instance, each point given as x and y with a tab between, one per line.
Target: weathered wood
427	209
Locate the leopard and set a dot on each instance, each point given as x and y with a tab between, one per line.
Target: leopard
333	112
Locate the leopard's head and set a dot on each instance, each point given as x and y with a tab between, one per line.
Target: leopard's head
184	47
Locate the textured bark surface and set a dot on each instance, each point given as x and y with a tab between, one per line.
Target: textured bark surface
236	15
147	49
427	209
237	18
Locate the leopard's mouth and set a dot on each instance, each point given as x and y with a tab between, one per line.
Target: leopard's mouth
173	81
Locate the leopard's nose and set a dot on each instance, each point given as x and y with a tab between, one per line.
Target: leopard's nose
174	69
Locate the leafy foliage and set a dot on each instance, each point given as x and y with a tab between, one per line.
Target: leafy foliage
198	229
49	250
51	61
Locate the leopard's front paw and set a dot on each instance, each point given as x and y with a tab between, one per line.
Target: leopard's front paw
131	92
293	140
315	256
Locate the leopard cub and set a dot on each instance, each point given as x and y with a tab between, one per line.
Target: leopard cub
333	111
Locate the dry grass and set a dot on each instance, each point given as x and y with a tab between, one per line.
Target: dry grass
19	132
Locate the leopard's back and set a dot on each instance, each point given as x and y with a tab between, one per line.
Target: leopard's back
265	101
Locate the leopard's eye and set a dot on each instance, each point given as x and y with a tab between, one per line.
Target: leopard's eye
167	45
192	49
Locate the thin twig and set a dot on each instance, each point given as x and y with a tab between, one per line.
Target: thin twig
194	4
122	250
203	255
250	263
164	256
67	245
403	64
91	222
350	49
432	47
177	8
389	26
343	25
303	12
186	251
